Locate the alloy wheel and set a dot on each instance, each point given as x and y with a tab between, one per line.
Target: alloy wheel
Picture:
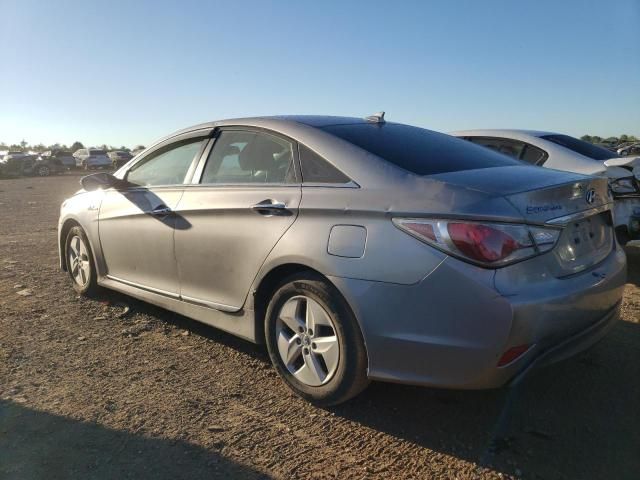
79	262
307	341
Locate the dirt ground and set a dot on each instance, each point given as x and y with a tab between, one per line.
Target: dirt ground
87	391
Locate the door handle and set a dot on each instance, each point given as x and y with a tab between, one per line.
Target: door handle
161	210
269	205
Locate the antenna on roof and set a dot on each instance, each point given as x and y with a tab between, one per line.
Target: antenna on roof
376	118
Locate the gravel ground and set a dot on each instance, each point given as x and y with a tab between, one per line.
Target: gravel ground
89	391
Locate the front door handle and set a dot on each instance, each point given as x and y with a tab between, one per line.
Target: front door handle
161	210
269	207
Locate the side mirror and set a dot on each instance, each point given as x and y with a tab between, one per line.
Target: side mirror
98	180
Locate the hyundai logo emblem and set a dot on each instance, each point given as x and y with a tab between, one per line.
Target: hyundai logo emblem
590	196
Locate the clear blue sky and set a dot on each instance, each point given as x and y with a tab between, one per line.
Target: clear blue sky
129	72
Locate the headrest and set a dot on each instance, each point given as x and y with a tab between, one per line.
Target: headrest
258	155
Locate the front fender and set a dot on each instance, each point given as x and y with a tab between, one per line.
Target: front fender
82	209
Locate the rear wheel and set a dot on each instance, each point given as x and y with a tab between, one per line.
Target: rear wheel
43	171
314	341
80	265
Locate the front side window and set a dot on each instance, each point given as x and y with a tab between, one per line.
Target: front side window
249	157
167	166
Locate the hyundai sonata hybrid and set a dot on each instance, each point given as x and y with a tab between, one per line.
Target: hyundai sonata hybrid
356	249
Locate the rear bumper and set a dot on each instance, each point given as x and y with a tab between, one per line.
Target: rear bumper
450	329
571	345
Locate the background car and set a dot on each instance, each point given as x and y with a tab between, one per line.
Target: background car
15	154
92	159
65	157
20	165
137	149
356	249
630	150
563	152
119	158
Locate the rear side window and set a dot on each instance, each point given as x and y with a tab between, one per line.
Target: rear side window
97	152
513	148
249	157
316	169
533	155
417	150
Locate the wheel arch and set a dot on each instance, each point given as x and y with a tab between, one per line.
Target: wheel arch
267	284
68	224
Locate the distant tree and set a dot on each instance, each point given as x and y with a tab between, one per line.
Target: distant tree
586	138
624	138
23	144
39	147
596	139
124	149
76	145
139	147
15	146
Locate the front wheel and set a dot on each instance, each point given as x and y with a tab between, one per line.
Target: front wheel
80	265
43	171
314	341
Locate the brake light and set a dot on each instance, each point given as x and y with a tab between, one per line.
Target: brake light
481	242
485	243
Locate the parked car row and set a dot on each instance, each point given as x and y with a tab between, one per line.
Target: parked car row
562	152
51	162
17	164
630	149
360	249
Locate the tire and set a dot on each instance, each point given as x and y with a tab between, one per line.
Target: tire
307	360
83	274
43	171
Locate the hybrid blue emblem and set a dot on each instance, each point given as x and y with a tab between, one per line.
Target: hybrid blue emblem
590	197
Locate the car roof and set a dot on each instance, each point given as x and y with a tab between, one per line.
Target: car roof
277	122
497	132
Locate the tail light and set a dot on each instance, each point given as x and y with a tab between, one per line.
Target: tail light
483	243
512	354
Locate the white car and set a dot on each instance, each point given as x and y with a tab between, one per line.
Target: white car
632	149
562	152
92	159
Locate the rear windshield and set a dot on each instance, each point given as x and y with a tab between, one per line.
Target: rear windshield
583	148
417	150
97	152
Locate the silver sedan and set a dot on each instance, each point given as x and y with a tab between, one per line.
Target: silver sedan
356	249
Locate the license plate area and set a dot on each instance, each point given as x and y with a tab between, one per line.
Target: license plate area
584	243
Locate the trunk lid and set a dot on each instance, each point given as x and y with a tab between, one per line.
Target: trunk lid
579	205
